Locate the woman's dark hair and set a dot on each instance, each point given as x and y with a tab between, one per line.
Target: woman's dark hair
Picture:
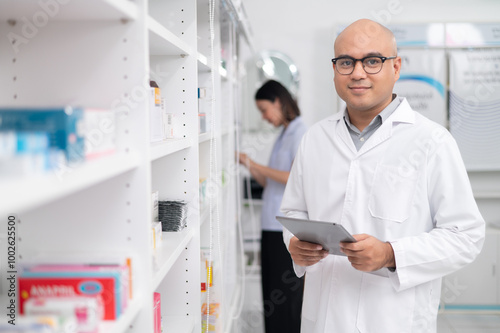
272	90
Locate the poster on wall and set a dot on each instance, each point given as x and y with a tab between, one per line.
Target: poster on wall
422	81
472	34
419	35
474	100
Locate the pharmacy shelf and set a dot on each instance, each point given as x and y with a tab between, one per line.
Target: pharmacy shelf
172	245
204	137
178	324
164	42
227	130
43	189
238	14
235	304
204	213
114	192
125	320
203	65
252	238
223	72
77	10
253	271
255	202
169	146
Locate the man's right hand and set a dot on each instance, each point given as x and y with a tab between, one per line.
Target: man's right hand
305	253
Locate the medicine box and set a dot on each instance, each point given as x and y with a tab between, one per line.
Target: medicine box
83	312
155	115
64	126
108	283
102	288
157	312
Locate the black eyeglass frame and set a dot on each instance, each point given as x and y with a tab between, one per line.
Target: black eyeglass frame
383	59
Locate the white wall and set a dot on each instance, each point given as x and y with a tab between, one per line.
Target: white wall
305	30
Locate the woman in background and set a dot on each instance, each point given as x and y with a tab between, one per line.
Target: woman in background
282	289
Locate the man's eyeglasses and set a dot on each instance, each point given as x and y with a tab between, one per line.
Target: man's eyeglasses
371	64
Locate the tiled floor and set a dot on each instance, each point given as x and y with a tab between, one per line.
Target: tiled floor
468	323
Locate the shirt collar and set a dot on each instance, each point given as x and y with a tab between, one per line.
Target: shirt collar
389	109
378	119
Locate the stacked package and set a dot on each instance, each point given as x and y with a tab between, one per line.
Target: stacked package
172	215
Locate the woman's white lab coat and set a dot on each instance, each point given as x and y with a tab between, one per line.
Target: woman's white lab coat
406	185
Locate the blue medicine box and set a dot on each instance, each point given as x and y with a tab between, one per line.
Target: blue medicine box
64	126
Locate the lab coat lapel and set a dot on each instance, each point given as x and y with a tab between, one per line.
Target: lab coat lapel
403	114
342	131
383	133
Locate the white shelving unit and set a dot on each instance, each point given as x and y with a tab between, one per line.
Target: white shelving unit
43	189
102	54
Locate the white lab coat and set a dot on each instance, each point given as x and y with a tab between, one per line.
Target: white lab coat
406	185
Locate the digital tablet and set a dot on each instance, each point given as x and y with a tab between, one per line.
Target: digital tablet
327	234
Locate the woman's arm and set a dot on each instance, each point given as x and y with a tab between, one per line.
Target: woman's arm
261	172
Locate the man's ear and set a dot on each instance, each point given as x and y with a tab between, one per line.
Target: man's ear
397	68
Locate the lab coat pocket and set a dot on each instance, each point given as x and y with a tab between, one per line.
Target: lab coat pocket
382	309
312	292
392	193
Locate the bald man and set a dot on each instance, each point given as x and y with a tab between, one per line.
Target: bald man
397	182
